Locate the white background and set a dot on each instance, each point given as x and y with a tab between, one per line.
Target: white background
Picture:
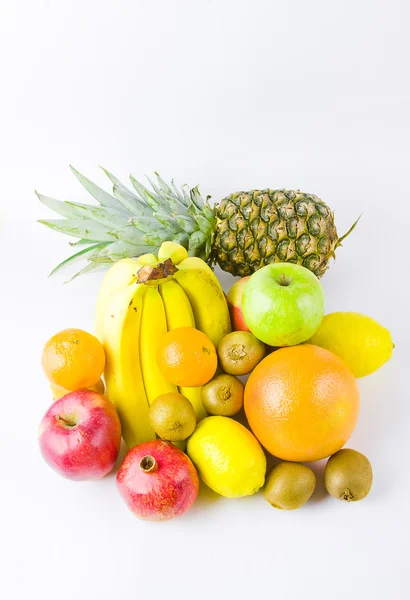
231	95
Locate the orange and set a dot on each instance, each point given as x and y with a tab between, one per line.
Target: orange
73	359
302	403
58	391
187	357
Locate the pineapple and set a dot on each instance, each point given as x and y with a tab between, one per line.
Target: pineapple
242	233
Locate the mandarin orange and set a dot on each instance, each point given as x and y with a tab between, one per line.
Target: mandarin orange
73	359
187	357
302	403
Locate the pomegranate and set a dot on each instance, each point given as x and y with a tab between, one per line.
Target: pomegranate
157	481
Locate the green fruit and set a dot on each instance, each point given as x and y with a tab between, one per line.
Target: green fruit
289	485
360	341
223	395
228	457
348	475
172	417
283	304
239	352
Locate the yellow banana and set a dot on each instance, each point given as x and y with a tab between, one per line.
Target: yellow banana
123	376
153	329
206	297
172	250
121	274
117	277
131	319
179	314
147	260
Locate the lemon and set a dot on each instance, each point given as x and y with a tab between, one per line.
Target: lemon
360	341
228	457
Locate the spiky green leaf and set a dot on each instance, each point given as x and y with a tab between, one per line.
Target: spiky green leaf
197	198
183	239
121	249
186	223
132	203
61	208
179	194
154	186
186	193
110	217
169	223
81	242
102	197
90	268
151	198
209	214
81	228
204	225
163	185
146	224
115	181
86	253
129	234
197	240
176	205
208	248
156	238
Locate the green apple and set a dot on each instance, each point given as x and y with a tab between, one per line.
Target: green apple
283	304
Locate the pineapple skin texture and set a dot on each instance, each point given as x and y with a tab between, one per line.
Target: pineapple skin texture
260	227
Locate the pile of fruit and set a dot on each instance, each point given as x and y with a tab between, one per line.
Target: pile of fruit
163	370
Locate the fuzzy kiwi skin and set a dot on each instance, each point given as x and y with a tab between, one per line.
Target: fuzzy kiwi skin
348	475
289	485
223	395
239	352
172	417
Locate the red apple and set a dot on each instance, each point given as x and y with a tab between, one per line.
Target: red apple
80	435
157	481
234	299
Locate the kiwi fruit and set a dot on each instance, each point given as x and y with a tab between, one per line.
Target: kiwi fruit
289	485
223	395
239	352
172	417
348	475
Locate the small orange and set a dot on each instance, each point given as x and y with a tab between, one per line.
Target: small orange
302	403
187	357
73	359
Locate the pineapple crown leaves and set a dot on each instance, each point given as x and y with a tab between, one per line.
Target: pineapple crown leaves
128	223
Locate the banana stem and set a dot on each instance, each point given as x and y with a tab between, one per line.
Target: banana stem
157	273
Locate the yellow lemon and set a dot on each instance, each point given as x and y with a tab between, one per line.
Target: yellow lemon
360	341
228	457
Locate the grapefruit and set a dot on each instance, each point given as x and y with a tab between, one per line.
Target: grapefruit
302	403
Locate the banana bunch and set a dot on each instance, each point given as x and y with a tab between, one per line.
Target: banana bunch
139	301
